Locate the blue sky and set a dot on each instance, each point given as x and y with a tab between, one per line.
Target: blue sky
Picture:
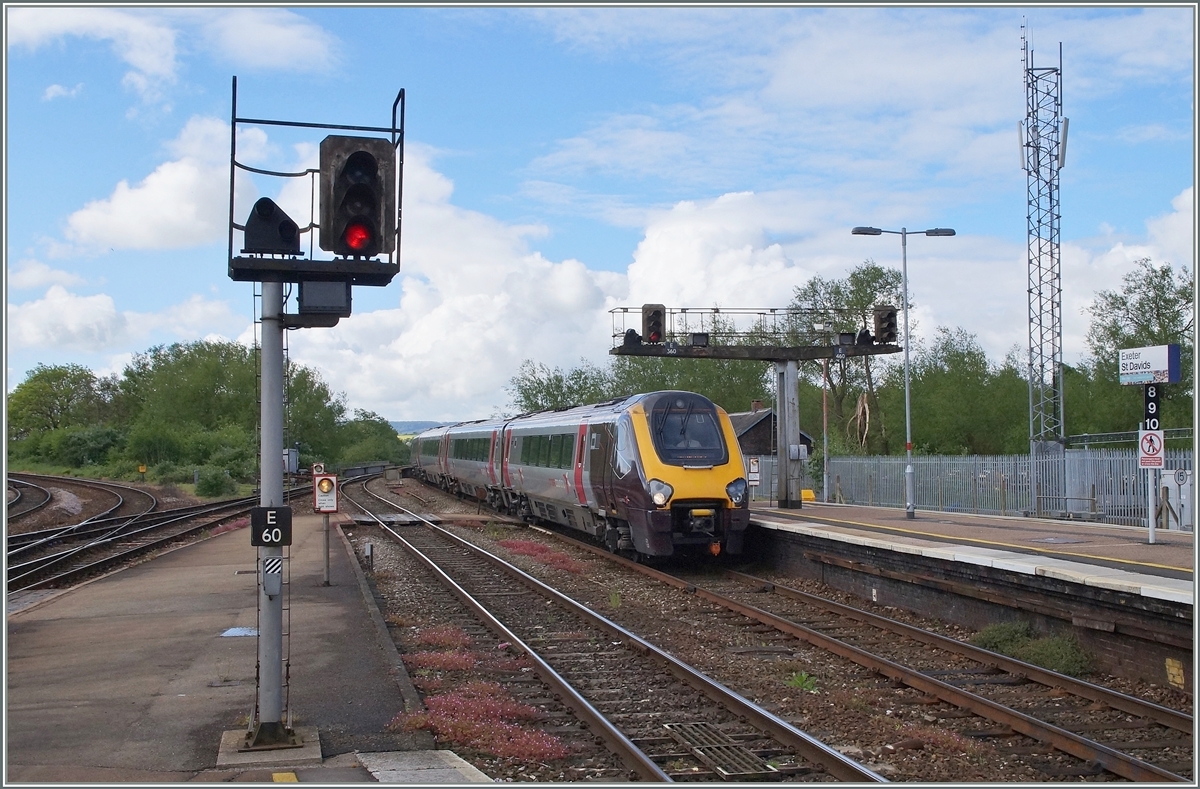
564	161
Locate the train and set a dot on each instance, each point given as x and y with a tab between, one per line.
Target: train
648	476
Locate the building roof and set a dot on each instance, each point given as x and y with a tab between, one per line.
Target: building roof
745	421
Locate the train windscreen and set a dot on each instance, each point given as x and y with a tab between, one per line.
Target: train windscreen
686	431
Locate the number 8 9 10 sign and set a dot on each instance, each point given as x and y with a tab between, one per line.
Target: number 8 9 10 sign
271	527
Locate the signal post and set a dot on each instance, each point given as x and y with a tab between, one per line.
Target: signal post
359	215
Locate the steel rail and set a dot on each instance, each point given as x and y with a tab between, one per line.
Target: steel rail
15	482
831	760
246	505
630	754
1180	721
1068	742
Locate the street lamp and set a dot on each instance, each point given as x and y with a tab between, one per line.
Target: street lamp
910	507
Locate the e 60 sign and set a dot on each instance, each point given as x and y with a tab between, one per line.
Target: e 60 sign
271	527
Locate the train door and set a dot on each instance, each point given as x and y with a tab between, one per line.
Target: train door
600	447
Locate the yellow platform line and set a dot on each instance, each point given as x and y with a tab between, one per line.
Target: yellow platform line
284	778
996	544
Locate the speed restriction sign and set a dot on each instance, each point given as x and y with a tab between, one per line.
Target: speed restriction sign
325	493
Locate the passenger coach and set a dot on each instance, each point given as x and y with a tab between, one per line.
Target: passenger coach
652	474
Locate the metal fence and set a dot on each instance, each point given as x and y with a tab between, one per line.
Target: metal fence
1100	484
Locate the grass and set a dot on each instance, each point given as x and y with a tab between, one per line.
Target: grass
614	599
1061	653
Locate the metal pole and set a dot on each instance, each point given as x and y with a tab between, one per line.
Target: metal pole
825	427
910	504
270	607
325	523
1150	483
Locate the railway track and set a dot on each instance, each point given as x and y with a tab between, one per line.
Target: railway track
28	498
665	720
65	555
1027	708
112	498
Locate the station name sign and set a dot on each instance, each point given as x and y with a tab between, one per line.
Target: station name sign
1156	364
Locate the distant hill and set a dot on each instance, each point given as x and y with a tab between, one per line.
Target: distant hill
411	428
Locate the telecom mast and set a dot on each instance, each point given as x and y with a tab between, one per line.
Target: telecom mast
1043	137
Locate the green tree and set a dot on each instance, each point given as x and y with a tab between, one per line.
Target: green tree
827	307
370	437
53	397
536	387
1154	306
962	403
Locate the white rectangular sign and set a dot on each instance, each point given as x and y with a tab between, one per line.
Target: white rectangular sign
1156	364
1150	449
325	493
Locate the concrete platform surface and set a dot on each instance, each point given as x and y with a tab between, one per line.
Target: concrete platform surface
130	678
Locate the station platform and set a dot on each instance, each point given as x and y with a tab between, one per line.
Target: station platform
136	676
1093	554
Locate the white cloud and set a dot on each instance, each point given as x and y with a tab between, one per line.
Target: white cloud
473	302
58	91
1172	235
64	320
183	203
269	38
35	274
146	40
142	41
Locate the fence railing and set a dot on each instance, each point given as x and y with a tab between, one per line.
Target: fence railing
1100	484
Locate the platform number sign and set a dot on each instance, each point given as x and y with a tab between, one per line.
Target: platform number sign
271	527
1152	412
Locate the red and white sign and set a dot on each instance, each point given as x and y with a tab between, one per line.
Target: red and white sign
325	493
1150	449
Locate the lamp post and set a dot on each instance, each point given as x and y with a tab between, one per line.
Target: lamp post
910	507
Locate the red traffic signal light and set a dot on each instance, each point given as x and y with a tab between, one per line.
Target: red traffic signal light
653	323
358	196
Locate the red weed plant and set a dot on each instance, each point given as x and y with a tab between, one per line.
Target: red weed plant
483	715
543	554
444	636
456	660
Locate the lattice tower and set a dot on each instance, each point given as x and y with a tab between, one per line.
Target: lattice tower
1043	135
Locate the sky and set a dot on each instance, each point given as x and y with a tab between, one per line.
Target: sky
563	162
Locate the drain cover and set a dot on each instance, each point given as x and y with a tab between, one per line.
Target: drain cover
725	756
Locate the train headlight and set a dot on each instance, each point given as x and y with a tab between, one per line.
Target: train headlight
737	491
660	492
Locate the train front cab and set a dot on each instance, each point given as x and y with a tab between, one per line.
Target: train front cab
692	488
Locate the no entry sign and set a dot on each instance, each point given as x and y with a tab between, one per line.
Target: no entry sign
1150	449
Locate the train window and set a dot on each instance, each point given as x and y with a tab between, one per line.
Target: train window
568	451
626	453
685	430
543	451
555	450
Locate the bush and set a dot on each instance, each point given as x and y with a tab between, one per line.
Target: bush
1018	640
215	482
1057	653
1004	637
154	443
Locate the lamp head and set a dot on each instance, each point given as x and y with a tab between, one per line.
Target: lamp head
940	231
866	231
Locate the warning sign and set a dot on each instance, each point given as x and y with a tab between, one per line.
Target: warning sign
1150	449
